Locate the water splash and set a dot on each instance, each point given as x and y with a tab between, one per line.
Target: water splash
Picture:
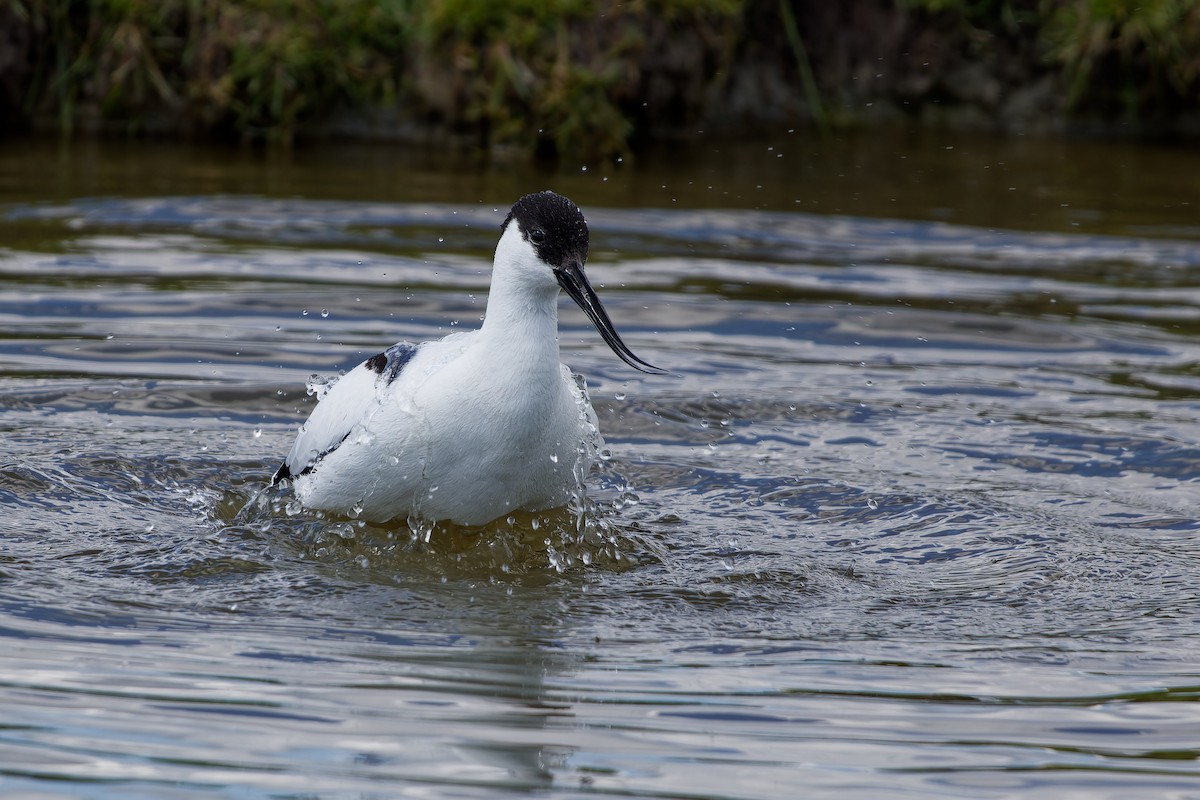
319	385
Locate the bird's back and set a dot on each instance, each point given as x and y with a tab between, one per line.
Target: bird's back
451	434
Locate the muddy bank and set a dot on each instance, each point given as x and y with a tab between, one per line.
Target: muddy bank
591	81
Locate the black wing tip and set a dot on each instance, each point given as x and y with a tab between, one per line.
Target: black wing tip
281	474
391	362
377	363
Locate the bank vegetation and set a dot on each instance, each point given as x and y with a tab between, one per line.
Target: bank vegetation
588	79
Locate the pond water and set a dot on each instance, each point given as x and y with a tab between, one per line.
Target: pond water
914	513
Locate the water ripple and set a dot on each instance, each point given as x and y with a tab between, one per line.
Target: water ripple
913	513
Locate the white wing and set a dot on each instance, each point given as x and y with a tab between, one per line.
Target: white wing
347	403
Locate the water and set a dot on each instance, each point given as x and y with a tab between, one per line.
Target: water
913	514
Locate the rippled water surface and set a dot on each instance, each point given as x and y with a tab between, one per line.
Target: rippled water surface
913	515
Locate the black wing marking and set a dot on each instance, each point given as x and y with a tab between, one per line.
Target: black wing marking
391	362
330	425
284	472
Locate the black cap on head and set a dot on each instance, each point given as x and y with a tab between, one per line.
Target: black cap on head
558	232
553	225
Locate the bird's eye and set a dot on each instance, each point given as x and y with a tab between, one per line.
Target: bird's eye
537	236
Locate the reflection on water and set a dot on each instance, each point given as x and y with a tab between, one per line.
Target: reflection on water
913	513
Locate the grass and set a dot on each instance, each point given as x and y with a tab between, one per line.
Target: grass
577	79
556	76
1129	58
1136	60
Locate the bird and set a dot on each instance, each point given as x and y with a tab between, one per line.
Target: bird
479	424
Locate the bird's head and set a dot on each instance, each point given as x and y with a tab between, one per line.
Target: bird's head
543	243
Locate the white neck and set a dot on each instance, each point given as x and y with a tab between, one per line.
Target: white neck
522	308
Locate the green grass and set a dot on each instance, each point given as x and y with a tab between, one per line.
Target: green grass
551	76
575	79
1134	59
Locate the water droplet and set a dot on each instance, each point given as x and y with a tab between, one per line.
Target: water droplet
620	395
554	458
324	312
872	503
258	433
304	312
